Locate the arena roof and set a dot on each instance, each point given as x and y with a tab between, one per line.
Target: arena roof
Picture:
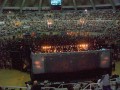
66	4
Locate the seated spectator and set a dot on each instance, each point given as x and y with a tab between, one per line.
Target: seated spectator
35	86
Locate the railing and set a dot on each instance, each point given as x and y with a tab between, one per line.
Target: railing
14	88
96	86
86	86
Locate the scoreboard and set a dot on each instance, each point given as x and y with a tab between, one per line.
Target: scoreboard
56	4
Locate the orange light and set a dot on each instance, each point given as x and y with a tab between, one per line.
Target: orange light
38	66
37	63
46	47
104	62
83	46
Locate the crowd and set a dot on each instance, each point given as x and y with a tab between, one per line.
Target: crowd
15	52
5	60
89	21
21	33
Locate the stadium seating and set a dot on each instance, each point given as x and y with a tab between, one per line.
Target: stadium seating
77	21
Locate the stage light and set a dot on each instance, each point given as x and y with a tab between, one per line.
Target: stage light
83	46
46	47
38	64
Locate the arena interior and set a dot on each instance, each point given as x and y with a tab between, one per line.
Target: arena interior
31	28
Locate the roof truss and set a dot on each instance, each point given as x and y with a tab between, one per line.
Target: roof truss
40	5
2	6
21	8
93	4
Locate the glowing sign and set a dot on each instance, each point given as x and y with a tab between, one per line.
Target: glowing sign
55	2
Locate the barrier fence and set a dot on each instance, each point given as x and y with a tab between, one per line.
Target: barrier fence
76	86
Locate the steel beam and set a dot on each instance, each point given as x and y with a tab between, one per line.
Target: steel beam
40	5
112	4
21	8
2	6
75	5
110	26
93	4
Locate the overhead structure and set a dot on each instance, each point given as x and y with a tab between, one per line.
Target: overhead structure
69	4
2	5
21	8
74	3
113	4
40	5
93	4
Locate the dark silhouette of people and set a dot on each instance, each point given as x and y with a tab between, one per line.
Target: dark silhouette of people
106	82
113	65
70	87
35	86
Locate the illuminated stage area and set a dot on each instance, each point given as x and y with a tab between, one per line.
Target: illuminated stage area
59	41
65	48
73	65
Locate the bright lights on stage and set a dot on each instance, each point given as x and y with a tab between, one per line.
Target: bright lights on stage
83	46
46	47
65	48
